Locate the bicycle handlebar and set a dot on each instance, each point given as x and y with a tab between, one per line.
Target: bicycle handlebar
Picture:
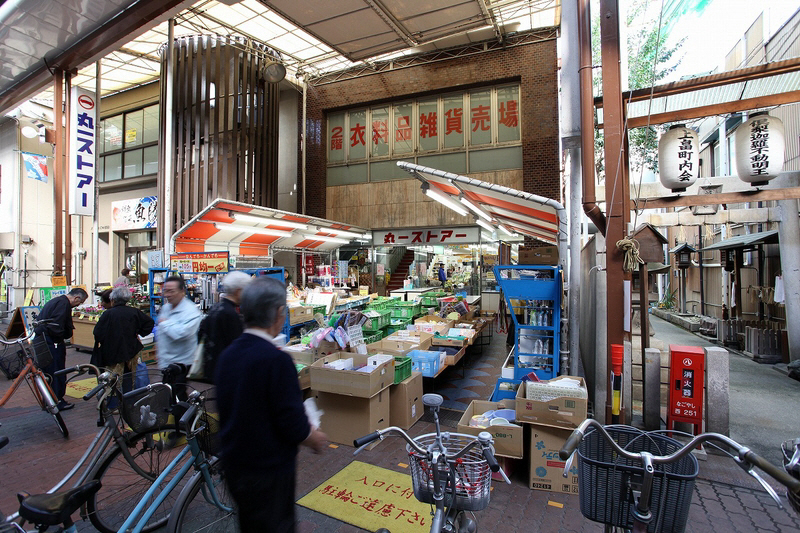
94	392
490	458
366	439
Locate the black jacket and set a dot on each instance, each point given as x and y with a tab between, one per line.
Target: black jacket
58	311
115	334
219	329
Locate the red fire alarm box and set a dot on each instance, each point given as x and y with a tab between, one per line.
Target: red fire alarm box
686	384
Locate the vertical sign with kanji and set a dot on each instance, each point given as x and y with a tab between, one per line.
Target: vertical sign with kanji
508	114
83	148
428	124
453	121
403	128
380	132
687	376
480	117
357	136
336	145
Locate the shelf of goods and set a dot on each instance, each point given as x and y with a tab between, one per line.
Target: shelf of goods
533	295
155	281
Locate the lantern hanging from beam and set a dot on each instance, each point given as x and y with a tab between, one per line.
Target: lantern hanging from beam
678	158
760	146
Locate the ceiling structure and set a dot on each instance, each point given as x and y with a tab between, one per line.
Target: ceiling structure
314	37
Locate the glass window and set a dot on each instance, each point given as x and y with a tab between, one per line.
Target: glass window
429	124
495	159
357	135
336	137
134	123
403	128
150	160
480	117
453	121
380	132
508	114
112	133
716	160
456	162
113	164
347	174
133	163
387	170
151	124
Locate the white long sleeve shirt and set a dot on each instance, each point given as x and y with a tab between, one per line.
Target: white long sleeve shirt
176	333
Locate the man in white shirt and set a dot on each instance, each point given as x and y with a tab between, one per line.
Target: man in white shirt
176	334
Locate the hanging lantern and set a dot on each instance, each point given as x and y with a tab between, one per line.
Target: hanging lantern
678	158
760	147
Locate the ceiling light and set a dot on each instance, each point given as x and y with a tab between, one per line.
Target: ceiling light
250	229
486	237
273	72
484	225
29	131
341	232
475	209
506	230
326	239
444	200
269	221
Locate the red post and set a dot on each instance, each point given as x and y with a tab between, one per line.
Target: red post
686	382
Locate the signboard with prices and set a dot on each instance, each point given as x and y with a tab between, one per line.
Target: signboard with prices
207	262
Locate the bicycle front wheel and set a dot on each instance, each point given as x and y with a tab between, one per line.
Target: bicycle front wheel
195	510
47	401
123	488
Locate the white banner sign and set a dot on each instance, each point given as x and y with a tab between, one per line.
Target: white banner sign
83	148
139	213
424	236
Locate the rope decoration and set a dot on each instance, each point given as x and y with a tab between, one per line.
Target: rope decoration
631	250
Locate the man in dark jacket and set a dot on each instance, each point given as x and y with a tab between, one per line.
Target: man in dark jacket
261	414
116	334
442	274
58	328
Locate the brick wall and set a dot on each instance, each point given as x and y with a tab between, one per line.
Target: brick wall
533	65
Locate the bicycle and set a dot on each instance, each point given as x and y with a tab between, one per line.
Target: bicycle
125	461
632	480
454	483
33	357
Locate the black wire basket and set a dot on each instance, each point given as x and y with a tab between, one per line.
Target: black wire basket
11	363
41	352
605	478
208	436
147	408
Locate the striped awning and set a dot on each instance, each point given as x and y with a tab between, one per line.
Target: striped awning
249	230
522	212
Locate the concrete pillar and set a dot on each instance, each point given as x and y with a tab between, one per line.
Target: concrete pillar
789	235
717	390
651	400
601	370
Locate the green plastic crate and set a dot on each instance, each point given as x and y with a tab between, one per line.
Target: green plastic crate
373	338
380	322
402	368
397	324
320	309
405	310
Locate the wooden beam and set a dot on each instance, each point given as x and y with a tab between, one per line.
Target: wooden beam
756	195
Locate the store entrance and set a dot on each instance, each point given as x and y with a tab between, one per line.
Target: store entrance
137	244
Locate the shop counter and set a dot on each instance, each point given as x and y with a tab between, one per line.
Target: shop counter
409	295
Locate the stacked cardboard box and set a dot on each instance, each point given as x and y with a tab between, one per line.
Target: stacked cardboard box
406	401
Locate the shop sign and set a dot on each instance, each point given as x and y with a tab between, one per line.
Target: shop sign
137	213
83	147
309	265
424	236
35	166
211	262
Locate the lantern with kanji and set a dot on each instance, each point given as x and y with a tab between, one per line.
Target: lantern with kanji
678	158
760	146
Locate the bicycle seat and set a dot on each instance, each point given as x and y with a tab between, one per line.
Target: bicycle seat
432	400
54	509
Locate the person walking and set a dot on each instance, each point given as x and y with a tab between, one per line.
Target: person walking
442	274
223	323
58	328
176	335
117	344
262	417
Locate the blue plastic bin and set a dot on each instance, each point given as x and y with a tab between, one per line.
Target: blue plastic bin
425	361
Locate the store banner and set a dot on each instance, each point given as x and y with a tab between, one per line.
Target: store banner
83	147
35	166
137	213
424	236
211	262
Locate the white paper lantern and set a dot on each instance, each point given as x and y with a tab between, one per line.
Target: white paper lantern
760	146
678	158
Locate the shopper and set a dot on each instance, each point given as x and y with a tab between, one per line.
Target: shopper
58	328
261	414
105	299
223	323
442	274
116	336
122	280
176	335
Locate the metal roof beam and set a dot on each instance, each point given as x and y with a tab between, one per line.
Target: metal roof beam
393	23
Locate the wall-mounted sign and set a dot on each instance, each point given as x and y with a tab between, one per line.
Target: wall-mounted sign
211	262
137	213
35	166
423	236
83	147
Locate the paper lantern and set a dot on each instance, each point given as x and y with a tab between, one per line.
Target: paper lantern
760	146
678	158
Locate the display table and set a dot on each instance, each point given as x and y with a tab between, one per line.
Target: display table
83	335
409	295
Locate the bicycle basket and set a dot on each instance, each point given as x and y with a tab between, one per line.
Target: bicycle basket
41	352
11	363
208	438
788	449
472	475
147	408
604	480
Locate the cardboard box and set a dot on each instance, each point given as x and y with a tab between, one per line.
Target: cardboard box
507	439
406	401
543	255
300	314
449	341
304	376
415	337
346	418
433	324
546	467
351	382
396	345
564	411
301	353
451	360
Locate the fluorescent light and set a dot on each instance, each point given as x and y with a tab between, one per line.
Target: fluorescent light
485	225
269	221
486	237
250	229
445	201
475	209
341	232
506	230
327	239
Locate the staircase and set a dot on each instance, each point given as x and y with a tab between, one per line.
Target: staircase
401	272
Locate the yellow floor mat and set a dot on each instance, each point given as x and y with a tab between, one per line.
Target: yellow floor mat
370	497
79	387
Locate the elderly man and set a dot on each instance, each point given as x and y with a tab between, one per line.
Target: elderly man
58	328
116	334
176	335
223	323
261	413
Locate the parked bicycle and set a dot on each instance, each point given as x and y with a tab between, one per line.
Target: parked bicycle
127	454
33	355
638	481
450	471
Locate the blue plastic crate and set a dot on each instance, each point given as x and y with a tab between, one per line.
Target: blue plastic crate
498	394
425	361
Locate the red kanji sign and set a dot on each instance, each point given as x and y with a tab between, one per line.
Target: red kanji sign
380	131
427	124
453	123
481	118
402	131
357	135
337	138
406	236
508	114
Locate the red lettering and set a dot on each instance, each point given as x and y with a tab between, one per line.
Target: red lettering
453	120
481	118
508	114
417	236
357	134
336	138
427	124
380	131
446	234
403	130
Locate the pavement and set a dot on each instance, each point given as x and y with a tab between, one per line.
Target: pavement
725	498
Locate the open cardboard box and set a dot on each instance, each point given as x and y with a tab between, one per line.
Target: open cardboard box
351	382
563	411
507	439
346	418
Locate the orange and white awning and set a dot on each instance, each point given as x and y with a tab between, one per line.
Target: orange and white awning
249	230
